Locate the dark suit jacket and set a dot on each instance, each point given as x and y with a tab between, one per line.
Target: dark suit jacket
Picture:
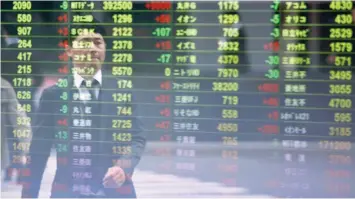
44	135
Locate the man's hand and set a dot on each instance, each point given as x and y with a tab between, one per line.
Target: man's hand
114	177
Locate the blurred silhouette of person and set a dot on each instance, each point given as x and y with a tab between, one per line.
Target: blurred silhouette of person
10	112
243	65
328	60
9	69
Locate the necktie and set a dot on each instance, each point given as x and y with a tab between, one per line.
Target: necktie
91	86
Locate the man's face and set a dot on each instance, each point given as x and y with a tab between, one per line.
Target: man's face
88	52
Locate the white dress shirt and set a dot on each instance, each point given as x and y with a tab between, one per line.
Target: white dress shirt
84	94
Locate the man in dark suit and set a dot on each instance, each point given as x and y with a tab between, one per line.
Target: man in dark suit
86	169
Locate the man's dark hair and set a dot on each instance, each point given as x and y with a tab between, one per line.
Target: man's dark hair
3	44
10	29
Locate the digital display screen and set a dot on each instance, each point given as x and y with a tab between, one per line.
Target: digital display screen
247	99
